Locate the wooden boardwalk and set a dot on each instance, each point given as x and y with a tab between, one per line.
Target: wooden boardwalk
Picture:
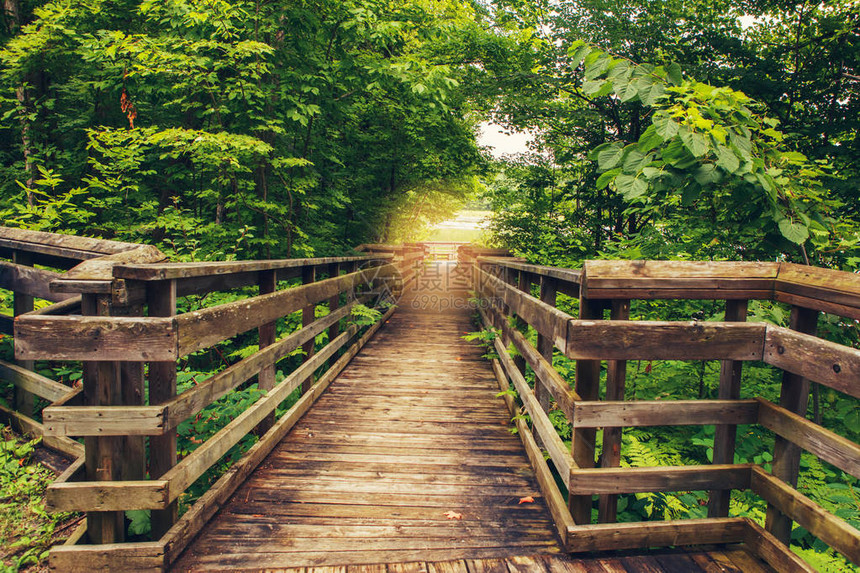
408	455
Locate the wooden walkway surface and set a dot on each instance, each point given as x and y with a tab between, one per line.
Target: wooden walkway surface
406	461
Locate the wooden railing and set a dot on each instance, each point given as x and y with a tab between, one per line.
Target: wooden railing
506	288
128	335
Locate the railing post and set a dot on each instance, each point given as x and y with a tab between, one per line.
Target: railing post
726	434
268	283
103	455
133	390
22	303
616	379
794	397
308	276
548	292
161	300
583	439
334	302
518	279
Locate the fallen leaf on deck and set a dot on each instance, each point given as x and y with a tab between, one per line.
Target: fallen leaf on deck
453	515
527	499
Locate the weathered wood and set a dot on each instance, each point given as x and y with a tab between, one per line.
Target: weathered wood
542	425
267	334
794	396
767	547
827	527
544	318
193	465
32	382
57	250
823	289
620	536
105	420
40	337
107	557
106	496
731	372
161	300
663	478
583	440
181	534
572	276
71	305
101	268
203	328
616	377
309	276
195	399
549	378
545	345
334	302
810	357
659	340
22	303
158	272
827	445
608	279
597	414
7	324
101	387
29	281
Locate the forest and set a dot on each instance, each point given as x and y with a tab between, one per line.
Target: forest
264	129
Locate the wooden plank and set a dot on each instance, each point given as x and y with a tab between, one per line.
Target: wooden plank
827	445
593	414
107	557
559	453
23	238
816	304
767	547
822	361
583	440
28	280
101	268
161	300
659	340
794	396
827	527
608	279
572	276
203	328
731	372
309	276
620	536
193	465
544	318
94	338
550	379
545	346
32	382
71	305
616	378
179	271
25	425
195	399
178	537
592	481
819	284
104	420
107	496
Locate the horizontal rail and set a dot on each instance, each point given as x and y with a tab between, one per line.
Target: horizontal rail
568	281
165	271
29	280
821	361
609	414
33	382
828	528
620	536
590	481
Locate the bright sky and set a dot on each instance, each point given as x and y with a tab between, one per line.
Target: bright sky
492	135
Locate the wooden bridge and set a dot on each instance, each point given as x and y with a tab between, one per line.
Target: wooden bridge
388	448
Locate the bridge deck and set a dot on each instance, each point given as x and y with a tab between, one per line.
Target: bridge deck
410	431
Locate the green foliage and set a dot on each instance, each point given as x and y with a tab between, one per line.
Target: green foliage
364	316
27	530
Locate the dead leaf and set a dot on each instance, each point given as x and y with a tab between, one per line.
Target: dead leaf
453	515
527	499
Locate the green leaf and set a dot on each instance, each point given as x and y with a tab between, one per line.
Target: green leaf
609	157
634	160
674	74
605	179
649	139
795	232
630	187
695	142
666	127
726	159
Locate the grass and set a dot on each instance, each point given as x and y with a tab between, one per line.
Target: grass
27	530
